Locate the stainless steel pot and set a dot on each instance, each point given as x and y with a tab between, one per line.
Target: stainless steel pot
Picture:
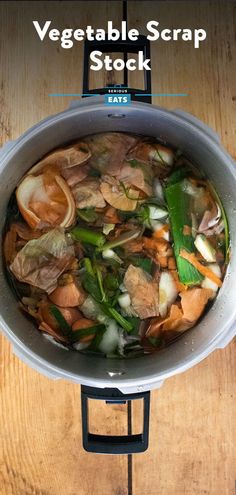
217	328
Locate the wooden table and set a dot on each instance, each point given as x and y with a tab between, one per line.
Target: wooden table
192	432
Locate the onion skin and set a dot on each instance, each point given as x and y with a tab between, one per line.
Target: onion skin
64	158
69	295
33	189
70	315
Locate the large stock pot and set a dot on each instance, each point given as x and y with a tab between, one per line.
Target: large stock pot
214	331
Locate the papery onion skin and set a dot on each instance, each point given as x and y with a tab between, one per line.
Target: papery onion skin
32	189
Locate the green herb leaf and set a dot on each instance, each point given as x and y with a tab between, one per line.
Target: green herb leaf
135	322
134	163
97	340
161	160
93	172
144	263
91	286
177	175
122	239
144	215
111	282
100	283
88	265
156	341
127	194
87	215
79	334
124	323
94	286
65	328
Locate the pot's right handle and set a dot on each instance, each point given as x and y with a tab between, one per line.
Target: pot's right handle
197	123
110	444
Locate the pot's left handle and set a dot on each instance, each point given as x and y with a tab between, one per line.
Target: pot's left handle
110	444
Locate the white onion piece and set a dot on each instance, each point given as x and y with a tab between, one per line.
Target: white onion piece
162	154
122	288
122	342
107	228
205	248
167	292
124	300
156	213
191	189
91	309
207	283
110	339
110	254
156	226
194	225
158	190
80	346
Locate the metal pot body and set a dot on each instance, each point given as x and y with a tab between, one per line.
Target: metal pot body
215	330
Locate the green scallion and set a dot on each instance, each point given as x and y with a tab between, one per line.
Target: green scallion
87	214
119	241
156	341
88	266
125	324
88	236
144	263
177	175
94	346
79	334
179	206
65	328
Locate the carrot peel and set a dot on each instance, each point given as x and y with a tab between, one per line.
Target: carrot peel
204	270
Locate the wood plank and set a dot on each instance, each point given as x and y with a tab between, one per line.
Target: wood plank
40	436
192	433
206	74
31	69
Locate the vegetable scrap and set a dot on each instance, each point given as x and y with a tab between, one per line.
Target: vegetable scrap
115	245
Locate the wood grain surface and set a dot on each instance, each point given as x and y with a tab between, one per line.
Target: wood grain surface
192	431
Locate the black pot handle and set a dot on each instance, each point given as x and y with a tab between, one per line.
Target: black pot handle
110	444
125	47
